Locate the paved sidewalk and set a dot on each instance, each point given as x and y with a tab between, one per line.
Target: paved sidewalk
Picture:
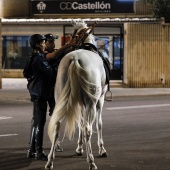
15	89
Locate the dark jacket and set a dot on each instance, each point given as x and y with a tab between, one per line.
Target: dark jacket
41	85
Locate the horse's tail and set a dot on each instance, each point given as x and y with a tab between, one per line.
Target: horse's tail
70	102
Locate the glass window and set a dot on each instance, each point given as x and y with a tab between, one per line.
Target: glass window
15	51
103	45
118	49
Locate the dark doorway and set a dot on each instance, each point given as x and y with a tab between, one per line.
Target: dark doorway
117	67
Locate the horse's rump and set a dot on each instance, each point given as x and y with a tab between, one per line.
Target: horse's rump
80	83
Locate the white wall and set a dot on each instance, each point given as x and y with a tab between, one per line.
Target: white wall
1	5
28	30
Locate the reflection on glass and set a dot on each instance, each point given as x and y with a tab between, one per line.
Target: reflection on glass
16	51
118	47
102	44
103	48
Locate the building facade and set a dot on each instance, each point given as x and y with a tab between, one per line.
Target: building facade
135	43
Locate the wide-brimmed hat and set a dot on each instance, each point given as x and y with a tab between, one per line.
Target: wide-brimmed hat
50	37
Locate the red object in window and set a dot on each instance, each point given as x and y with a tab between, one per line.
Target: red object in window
66	40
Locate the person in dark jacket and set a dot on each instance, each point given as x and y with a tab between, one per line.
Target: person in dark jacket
40	86
50	47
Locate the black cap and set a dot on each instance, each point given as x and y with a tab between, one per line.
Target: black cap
36	38
50	37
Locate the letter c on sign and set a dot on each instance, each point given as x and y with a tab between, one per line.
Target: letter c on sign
65	5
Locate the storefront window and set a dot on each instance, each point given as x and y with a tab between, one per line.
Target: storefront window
103	45
118	47
15	51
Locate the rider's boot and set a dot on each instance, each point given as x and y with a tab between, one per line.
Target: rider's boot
31	150
39	155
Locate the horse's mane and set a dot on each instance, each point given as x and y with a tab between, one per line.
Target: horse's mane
78	24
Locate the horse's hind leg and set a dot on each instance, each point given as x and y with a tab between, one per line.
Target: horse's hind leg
102	151
79	150
90	116
51	155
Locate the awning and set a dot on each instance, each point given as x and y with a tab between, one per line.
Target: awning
67	21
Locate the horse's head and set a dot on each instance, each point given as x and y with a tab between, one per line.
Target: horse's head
81	25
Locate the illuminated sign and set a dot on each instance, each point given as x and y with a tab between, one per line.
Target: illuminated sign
81	7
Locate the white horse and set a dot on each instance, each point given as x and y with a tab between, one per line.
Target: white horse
79	91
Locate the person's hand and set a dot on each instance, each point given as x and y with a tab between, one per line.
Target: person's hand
71	45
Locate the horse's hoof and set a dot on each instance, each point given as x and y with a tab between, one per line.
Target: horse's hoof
93	167
58	148
78	154
48	166
104	155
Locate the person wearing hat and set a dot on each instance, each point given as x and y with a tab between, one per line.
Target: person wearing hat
50	47
39	74
50	42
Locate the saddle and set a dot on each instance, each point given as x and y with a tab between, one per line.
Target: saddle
106	63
